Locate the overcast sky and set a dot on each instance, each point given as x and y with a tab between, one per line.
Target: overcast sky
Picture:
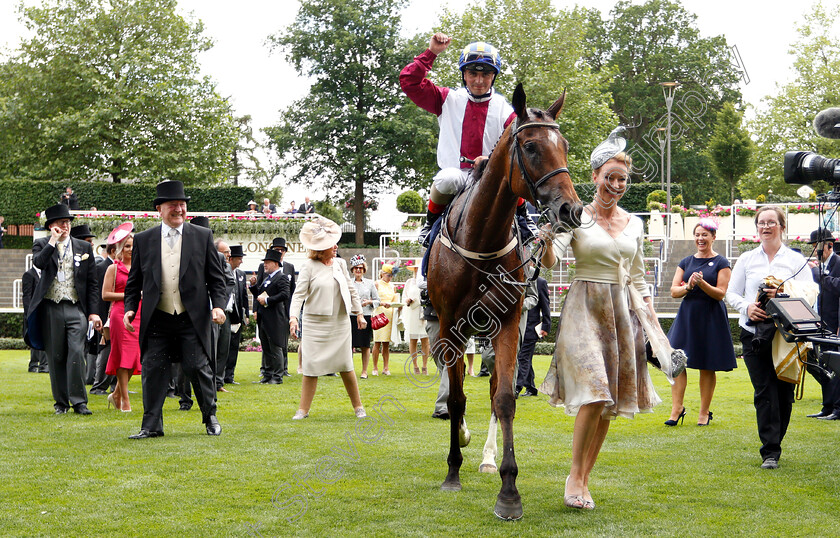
261	84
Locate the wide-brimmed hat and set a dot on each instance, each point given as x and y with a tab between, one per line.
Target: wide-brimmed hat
119	233
279	242
273	255
820	235
81	232
253	203
168	191
320	233
236	251
609	148
202	221
57	212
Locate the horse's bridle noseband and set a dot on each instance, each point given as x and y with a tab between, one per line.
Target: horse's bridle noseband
517	154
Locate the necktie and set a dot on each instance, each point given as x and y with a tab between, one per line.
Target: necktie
172	237
61	247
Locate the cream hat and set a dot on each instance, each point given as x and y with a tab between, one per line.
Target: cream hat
609	148
320	233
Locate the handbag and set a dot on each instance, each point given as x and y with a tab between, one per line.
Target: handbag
378	321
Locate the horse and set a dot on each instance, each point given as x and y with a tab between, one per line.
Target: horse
476	275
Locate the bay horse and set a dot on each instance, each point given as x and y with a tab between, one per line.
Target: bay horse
476	275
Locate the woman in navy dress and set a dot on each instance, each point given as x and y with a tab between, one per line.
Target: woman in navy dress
701	327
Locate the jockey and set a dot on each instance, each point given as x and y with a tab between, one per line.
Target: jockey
471	119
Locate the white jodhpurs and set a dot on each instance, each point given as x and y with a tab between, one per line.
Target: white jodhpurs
451	181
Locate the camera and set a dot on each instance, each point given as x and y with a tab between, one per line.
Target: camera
805	167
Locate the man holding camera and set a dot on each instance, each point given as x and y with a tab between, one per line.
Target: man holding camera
827	275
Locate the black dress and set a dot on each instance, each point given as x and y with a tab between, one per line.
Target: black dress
701	327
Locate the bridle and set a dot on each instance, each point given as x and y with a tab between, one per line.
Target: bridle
517	154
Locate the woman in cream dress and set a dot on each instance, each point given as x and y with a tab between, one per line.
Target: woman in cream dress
599	370
324	285
382	336
415	328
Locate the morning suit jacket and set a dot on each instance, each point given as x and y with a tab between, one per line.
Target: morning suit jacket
104	306
540	313
45	258
272	318
306	208
29	282
829	301
240	309
200	274
289	270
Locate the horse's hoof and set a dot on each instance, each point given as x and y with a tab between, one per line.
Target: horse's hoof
464	437
487	468
451	486
508	510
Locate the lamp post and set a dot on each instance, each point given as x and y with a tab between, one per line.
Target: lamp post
668	90
660	135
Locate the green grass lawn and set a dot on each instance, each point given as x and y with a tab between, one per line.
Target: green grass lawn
269	476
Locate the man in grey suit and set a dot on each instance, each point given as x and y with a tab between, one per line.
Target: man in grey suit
63	303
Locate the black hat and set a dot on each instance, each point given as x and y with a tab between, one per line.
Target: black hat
820	235
279	242
204	222
81	232
170	190
273	255
57	212
236	251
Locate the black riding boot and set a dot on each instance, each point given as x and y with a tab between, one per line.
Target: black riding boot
423	238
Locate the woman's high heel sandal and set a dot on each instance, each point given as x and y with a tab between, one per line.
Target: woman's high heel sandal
679	419
707	420
111	401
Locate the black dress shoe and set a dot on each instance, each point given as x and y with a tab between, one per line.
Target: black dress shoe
60	410
287	374
832	416
483	374
530	392
263	381
213	426
231	382
278	381
82	409
441	415
185	407
770	463
818	415
97	392
145	434
33	370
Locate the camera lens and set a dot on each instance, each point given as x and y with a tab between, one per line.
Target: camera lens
805	167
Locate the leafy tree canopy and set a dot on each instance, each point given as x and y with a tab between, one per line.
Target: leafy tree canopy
110	89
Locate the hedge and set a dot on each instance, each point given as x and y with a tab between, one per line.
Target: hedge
634	200
21	200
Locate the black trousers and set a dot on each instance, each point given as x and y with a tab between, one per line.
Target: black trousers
773	398
38	361
272	358
830	387
102	381
525	376
171	339
222	352
233	355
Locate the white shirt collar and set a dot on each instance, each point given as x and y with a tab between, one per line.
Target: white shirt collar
164	229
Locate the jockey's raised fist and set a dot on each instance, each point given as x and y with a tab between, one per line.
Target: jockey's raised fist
439	42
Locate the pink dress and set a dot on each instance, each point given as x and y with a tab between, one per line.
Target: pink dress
125	346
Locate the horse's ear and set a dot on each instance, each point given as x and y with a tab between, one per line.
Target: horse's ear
518	103
554	110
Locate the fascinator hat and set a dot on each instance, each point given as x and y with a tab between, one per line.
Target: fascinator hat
357	260
609	148
119	233
320	233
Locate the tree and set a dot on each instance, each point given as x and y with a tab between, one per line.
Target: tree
785	121
658	41
110	89
244	153
730	149
354	131
541	47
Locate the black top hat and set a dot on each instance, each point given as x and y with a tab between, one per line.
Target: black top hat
204	222
236	251
81	232
279	242
820	235
170	190
273	255
57	212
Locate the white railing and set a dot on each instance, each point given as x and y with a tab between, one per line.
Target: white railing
17	294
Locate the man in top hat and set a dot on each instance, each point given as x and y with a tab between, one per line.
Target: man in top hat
176	268
287	269
827	275
64	301
82	231
270	299
240	313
